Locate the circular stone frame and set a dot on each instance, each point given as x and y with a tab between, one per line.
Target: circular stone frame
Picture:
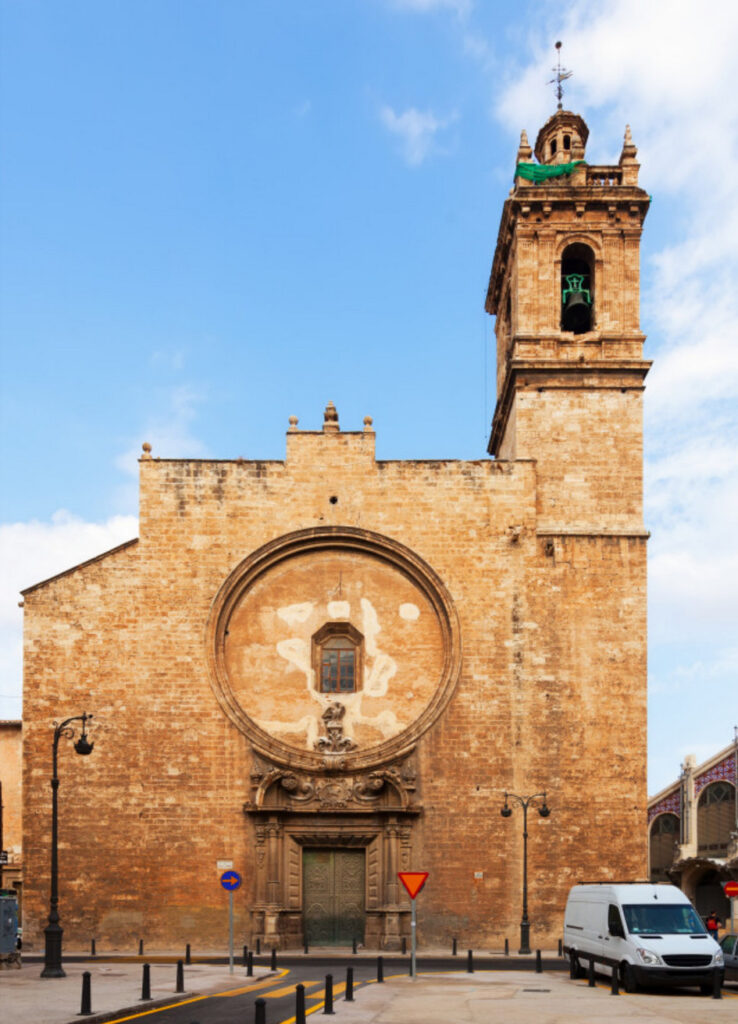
352	540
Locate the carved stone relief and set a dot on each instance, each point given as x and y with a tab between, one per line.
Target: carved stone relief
390	787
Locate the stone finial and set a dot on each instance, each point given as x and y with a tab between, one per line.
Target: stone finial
146	448
525	153
629	150
368	428
293	424
330	419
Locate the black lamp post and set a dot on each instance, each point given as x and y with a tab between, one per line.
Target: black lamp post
53	931
544	810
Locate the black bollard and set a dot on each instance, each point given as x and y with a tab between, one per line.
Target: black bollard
404	945
258	947
328	1005
299	1004
146	982
250	965
507	948
140	947
561	948
469	962
353	945
245	955
349	985
180	977
453	947
274	959
86	1007
539	965
305	946
614	985
260	1011
591	974
716	987
572	966
188	955
380	969
92	948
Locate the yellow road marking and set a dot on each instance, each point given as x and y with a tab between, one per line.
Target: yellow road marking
264	983
198	999
158	1009
293	1020
337	990
277	993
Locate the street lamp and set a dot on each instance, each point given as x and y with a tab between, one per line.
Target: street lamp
544	810
53	931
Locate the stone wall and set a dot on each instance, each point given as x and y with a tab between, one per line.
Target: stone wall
550	694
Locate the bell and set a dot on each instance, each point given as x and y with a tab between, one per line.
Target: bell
577	313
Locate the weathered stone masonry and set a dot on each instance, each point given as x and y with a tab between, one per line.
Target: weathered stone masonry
498	608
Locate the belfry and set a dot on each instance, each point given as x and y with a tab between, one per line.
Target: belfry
326	669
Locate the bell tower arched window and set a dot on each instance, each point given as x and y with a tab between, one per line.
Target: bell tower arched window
577	289
337	650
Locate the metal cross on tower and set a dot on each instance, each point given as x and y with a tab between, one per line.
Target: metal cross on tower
561	75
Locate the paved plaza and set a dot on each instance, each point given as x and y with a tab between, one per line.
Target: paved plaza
452	997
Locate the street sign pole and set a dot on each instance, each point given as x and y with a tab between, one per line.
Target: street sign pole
413	882
230	880
730	889
230	931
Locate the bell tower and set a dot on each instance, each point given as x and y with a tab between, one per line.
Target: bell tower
564	289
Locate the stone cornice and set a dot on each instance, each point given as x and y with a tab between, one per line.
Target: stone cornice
562	373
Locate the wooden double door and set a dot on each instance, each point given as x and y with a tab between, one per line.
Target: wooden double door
333	887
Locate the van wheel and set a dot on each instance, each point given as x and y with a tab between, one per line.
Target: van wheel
575	968
628	978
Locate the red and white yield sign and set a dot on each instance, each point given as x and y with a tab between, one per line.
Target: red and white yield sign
730	889
413	881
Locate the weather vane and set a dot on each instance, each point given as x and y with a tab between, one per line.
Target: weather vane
561	75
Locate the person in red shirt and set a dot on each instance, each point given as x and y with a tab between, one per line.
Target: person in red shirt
713	923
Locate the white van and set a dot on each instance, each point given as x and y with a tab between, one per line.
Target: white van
650	934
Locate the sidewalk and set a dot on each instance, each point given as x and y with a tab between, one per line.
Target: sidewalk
485	997
27	998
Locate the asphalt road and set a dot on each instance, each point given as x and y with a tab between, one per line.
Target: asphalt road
237	1006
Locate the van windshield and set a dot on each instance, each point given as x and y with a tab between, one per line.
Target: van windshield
674	919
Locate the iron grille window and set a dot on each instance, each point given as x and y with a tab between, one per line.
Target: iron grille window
715	818
664	834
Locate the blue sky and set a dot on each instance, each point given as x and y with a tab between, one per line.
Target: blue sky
216	215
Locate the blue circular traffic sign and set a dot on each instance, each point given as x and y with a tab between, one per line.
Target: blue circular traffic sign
230	880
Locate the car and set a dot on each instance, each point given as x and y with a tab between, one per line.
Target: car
729	946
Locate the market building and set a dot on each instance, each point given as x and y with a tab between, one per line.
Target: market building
693	830
329	668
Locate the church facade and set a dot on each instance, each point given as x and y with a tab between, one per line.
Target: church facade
324	670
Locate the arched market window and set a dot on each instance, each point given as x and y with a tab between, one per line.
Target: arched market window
715	818
664	834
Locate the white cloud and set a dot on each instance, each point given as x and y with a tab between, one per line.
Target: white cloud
416	130
31	552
